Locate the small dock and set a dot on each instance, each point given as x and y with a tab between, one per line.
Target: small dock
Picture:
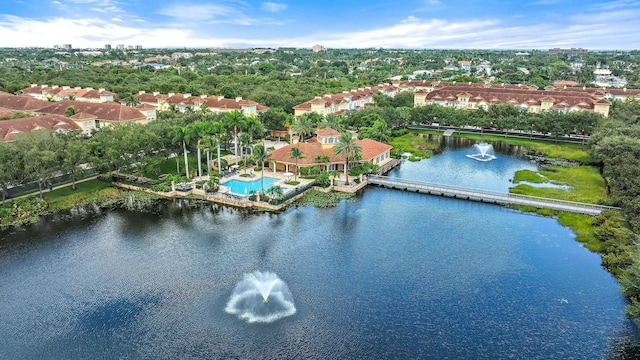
486	196
448	132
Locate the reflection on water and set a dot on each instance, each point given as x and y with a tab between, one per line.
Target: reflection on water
391	275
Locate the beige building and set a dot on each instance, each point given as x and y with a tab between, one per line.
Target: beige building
535	101
187	102
59	93
343	102
322	145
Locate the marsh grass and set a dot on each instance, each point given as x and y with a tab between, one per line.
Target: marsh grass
585	184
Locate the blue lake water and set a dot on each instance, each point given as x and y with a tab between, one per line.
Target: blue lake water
246	187
388	275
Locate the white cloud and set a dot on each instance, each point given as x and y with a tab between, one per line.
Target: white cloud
273	7
589	29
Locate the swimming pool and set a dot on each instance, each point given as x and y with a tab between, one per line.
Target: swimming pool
246	187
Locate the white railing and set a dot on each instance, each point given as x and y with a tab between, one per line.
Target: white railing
491	196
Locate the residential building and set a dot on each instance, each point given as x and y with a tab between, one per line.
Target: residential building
318	48
9	129
187	102
481	97
21	103
343	102
90	116
59	93
322	145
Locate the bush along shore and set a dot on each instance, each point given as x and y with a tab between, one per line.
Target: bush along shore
89	196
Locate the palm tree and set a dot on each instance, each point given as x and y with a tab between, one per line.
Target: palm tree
275	192
70	111
261	155
303	126
254	127
295	153
332	121
208	144
235	119
181	134
198	129
348	146
325	159
245	141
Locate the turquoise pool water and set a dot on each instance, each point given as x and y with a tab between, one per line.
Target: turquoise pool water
246	187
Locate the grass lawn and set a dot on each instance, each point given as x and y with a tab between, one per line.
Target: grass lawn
87	191
585	182
416	145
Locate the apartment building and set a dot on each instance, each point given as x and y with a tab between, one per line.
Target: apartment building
343	102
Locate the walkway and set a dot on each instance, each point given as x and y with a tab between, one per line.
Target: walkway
487	196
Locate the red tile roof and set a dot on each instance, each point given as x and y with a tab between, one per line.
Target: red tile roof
9	129
108	111
312	149
21	102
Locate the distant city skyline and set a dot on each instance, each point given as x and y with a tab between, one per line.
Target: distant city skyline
415	24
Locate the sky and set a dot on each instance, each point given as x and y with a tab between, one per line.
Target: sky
411	24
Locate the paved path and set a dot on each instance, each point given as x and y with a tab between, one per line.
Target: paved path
36	193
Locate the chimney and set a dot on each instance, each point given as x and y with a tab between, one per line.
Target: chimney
624	89
66	87
101	89
187	96
44	86
89	88
34	85
238	98
141	92
203	96
171	94
156	93
77	88
220	97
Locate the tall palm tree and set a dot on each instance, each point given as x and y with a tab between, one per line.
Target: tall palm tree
181	134
261	155
254	127
236	120
208	144
348	146
216	129
295	153
199	129
245	141
303	126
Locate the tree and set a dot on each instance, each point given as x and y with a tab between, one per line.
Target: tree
11	169
275	192
273	119
131	101
261	155
235	120
303	126
332	121
74	153
245	142
181	134
198	129
40	152
70	111
348	146
295	153
325	159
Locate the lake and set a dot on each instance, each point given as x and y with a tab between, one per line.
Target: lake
386	275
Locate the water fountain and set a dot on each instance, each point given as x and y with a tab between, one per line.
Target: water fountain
261	297
485	152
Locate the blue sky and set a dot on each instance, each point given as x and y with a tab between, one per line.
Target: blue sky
490	24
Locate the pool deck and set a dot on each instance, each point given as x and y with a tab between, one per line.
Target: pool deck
282	179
